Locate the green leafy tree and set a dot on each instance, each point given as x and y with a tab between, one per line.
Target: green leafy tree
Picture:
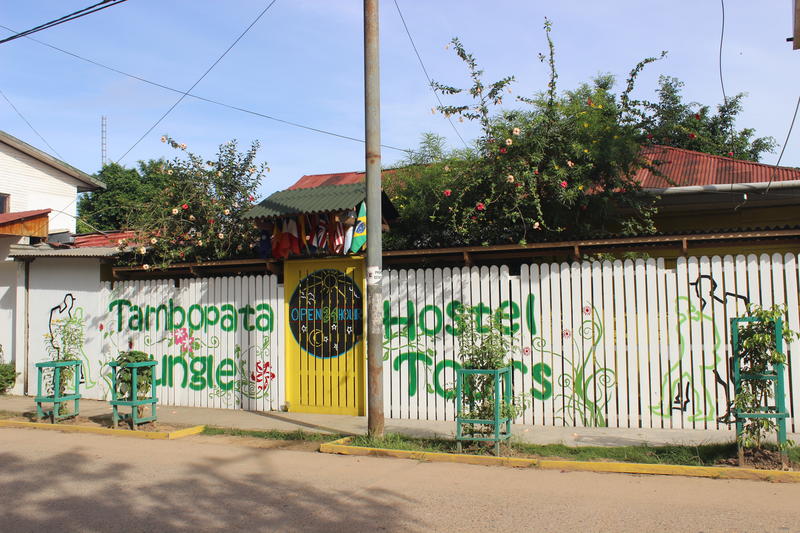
563	166
198	216
126	190
672	122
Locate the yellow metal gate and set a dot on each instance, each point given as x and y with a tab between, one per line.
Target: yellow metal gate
325	362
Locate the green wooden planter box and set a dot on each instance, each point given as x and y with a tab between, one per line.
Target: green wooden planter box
502	395
132	400
57	399
777	411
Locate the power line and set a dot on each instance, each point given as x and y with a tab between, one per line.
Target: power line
29	124
430	81
209	69
783	149
66	18
203	99
721	39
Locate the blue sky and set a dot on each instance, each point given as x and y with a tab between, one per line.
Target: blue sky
303	62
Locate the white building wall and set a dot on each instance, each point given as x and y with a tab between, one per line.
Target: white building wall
8	298
51	281
32	184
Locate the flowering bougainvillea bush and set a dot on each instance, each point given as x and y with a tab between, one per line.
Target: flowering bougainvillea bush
560	166
199	215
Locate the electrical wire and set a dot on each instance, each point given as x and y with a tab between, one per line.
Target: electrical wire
783	149
105	4
430	81
209	69
201	98
29	124
721	40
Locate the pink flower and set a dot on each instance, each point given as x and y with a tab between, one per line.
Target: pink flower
180	335
503	150
692	135
181	338
566	334
480	206
447	192
526	350
730	154
649	135
563	184
251	198
101	327
587	310
697	116
185	207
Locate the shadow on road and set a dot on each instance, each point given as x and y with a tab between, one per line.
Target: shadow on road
71	492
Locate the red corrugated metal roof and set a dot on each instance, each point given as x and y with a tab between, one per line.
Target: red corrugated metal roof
17	216
681	167
317	180
96	240
686	168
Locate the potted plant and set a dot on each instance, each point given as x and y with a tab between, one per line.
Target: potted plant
485	406
144	377
8	373
758	342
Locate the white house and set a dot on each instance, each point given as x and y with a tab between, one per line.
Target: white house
38	197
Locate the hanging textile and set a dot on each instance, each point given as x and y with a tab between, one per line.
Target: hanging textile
360	231
320	241
292	236
337	238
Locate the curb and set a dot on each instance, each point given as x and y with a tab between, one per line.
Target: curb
341	447
66	428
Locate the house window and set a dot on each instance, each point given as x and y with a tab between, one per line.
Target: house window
5	203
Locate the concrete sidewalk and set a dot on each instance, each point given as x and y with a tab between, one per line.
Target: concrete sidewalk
274	420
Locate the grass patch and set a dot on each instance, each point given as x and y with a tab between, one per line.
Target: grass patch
702	455
395	441
297	435
794	454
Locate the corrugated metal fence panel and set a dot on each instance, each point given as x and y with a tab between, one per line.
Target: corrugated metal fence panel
630	343
218	341
620	344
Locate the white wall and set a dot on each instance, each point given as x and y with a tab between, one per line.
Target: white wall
32	184
51	279
8	297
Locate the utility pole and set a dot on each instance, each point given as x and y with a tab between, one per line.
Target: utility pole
372	124
796	26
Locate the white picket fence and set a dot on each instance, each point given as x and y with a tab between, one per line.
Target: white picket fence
218	341
622	344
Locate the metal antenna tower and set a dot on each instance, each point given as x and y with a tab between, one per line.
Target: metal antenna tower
103	140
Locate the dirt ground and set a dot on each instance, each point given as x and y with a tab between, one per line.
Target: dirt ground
100	421
65	482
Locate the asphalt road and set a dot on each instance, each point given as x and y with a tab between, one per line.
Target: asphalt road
59	482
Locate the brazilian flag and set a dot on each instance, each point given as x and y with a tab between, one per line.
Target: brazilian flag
360	230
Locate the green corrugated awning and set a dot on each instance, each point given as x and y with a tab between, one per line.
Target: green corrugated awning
323	199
